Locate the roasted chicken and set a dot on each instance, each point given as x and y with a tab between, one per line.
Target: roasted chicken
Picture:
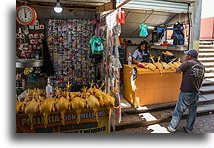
46	107
62	105
93	103
172	65
167	53
177	64
150	66
59	93
109	103
31	109
157	64
19	106
78	104
165	65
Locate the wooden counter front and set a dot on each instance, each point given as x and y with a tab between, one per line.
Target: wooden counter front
149	87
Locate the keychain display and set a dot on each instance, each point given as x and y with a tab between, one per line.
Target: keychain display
29	39
68	44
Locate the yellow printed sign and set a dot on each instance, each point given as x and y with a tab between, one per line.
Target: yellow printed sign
87	124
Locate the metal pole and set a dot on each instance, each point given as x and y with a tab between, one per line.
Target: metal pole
196	24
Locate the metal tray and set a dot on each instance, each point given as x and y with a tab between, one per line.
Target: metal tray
28	63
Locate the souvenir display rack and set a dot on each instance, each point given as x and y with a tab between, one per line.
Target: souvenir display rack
68	44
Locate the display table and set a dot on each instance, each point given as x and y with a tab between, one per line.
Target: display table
149	87
87	124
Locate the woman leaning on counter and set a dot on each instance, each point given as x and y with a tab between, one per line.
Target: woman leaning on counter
141	54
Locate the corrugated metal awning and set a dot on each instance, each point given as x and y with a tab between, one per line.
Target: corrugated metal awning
157	5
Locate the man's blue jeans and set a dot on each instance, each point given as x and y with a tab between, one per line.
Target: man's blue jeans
185	100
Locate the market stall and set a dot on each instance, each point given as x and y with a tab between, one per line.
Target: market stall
72	63
165	29
60	68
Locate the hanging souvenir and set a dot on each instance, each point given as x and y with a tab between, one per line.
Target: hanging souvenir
36	24
31	27
41	26
30	36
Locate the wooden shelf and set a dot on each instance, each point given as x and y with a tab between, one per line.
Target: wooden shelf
181	48
132	44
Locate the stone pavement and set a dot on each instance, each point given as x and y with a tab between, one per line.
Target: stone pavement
203	124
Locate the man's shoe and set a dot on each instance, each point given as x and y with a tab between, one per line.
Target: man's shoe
170	129
186	130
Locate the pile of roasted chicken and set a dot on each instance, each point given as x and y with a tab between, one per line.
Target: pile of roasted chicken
63	100
160	65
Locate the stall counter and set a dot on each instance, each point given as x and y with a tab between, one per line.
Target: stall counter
149	87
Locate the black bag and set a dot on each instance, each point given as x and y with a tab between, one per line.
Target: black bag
178	35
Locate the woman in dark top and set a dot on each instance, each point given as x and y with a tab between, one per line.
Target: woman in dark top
141	54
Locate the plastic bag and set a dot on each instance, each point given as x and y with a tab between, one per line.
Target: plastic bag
121	17
143	30
96	44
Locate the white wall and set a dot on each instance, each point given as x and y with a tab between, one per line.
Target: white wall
207	8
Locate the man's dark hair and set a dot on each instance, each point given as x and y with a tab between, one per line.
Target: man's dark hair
193	56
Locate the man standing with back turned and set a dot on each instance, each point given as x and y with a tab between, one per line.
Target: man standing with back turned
193	73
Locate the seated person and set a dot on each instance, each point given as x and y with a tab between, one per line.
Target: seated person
141	54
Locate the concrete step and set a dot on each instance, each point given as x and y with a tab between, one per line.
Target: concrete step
207	89
209	70
151	118
203	99
209	79
200	108
206	43
202	50
207	82
207	97
209	75
206	46
208	64
202	40
206	59
207	55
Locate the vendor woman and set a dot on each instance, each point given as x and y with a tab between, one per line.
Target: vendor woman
141	54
